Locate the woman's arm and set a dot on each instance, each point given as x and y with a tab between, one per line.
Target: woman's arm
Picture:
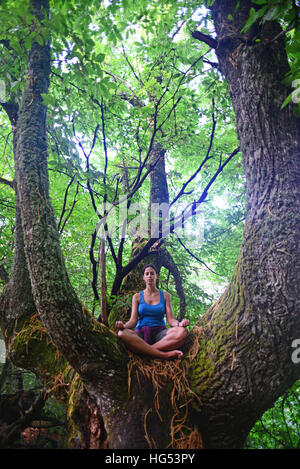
134	314
169	313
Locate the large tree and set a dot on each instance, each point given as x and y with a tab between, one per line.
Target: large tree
238	360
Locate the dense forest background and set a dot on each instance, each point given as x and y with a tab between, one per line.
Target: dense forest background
112	65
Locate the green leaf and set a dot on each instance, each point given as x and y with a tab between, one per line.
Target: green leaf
40	40
271	14
100	57
253	17
287	100
48	99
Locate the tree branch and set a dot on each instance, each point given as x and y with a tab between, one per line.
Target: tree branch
71	209
7	183
210	41
11	110
65	201
131	67
125	83
207	157
195	257
220	169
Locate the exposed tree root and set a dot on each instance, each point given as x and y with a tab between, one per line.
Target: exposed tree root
160	372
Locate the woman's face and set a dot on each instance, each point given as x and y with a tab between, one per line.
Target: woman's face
150	276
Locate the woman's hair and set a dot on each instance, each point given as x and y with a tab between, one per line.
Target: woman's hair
150	265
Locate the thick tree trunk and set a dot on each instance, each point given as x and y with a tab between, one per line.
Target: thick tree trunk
246	353
16	300
159	192
68	323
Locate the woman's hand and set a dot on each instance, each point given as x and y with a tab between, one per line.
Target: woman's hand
120	325
184	323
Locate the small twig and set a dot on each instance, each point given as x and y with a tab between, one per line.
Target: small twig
178	29
65	201
207	157
125	83
131	67
71	209
195	257
104	141
220	169
282	33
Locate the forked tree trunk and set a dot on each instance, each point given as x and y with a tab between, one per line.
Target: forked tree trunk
244	358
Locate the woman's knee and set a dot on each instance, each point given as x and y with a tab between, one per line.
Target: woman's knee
184	332
122	334
125	333
180	332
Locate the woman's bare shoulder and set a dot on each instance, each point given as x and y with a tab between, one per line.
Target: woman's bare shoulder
136	296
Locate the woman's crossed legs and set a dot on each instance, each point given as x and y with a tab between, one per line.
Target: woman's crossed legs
164	348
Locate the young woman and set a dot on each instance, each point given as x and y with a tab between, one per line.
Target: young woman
151	336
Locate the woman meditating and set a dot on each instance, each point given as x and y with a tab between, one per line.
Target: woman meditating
151	336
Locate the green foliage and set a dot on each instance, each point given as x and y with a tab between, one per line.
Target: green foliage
287	14
284	11
279	426
7	198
